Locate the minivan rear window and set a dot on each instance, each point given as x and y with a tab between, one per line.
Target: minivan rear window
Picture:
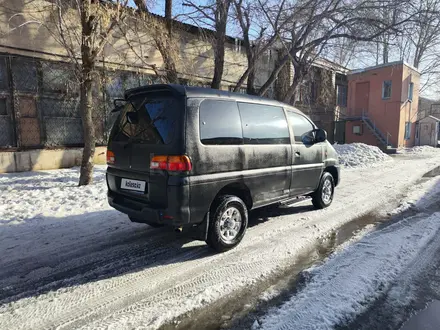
155	122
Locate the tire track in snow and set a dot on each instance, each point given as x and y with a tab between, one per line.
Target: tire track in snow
266	248
79	264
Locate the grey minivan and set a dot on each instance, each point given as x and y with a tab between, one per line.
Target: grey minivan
200	159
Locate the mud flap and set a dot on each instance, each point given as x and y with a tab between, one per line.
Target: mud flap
200	231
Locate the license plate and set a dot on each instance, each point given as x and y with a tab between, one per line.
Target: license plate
134	185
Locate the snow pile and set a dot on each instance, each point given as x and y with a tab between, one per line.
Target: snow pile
418	150
360	155
32	196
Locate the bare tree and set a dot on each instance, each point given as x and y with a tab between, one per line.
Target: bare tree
214	15
161	31
313	24
256	38
420	42
425	34
84	28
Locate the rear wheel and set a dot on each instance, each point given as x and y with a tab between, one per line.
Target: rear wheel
323	196
227	224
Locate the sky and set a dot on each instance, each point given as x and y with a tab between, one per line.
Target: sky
360	59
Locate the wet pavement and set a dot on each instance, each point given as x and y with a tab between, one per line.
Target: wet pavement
241	310
427	319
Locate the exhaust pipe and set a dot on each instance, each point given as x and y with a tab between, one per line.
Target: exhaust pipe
178	230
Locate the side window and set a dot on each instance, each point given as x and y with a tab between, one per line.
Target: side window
263	124
220	123
302	127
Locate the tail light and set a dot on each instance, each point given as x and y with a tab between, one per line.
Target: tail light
171	163
110	157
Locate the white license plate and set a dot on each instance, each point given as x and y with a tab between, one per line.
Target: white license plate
133	185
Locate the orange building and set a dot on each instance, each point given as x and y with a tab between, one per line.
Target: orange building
382	105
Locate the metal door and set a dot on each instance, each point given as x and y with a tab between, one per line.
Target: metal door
361	99
340	132
426	134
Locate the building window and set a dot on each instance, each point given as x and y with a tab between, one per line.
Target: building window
386	89
357	130
341	95
410	91
407	130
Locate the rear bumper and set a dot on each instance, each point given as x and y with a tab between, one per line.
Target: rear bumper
141	212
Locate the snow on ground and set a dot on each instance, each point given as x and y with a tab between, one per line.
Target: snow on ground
36	196
83	265
360	155
342	287
418	150
421	195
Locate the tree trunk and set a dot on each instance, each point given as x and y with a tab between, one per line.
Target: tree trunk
291	90
86	172
166	51
417	57
168	15
86	102
221	19
251	83
300	70
219	61
385	51
242	79
273	76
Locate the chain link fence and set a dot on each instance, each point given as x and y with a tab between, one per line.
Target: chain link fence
40	104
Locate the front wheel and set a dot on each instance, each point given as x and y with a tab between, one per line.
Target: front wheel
323	196
227	223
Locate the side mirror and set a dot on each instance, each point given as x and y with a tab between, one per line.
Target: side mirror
118	105
320	135
132	117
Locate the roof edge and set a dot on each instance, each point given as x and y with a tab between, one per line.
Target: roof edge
357	71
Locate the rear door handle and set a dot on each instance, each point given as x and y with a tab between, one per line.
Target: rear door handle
297	154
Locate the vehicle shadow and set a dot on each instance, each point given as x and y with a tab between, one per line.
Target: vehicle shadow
47	254
266	213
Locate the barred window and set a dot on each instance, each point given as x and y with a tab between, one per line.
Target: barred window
62	121
3	109
24	72
3	74
341	95
58	78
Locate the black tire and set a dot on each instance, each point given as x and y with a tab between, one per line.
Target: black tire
221	205
318	199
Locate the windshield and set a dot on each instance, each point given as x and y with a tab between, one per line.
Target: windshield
154	122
